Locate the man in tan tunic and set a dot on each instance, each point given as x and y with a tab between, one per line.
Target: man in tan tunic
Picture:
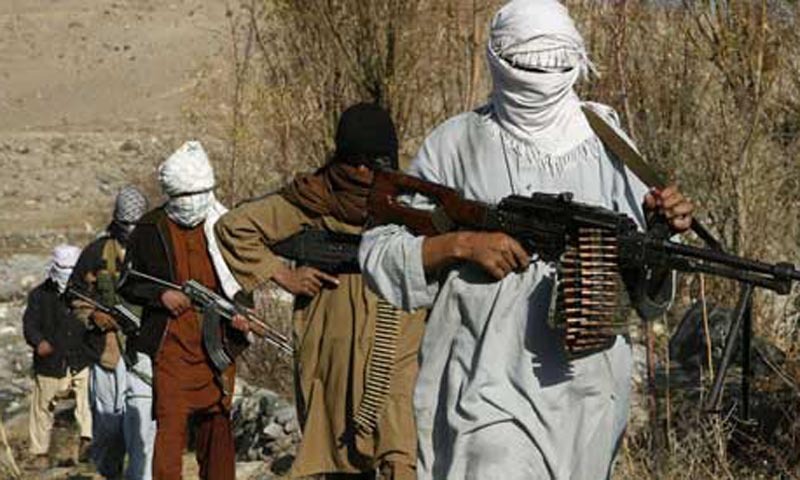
335	316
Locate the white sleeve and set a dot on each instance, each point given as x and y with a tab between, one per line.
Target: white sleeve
391	257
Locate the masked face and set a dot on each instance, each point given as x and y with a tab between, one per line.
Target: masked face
60	275
61	264
121	231
189	210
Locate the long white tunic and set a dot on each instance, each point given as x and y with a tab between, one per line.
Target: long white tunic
495	397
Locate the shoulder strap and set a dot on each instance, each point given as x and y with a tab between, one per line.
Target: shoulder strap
110	256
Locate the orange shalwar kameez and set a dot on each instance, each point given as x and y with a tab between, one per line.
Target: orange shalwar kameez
185	383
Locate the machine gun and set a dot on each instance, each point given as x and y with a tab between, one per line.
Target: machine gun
125	319
330	252
215	308
591	245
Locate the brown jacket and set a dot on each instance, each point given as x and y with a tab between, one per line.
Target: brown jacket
150	251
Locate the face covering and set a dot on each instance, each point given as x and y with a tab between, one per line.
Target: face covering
188	179
536	56
62	262
190	210
129	207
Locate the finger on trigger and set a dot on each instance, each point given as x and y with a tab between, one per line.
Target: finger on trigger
510	258
523	259
315	282
504	265
328	278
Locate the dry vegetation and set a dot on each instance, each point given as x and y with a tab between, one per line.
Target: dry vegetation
709	90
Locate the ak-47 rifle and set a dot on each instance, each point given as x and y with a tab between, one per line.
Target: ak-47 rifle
123	317
591	245
215	307
331	252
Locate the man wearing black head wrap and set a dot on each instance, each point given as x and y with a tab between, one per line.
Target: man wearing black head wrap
121	391
336	317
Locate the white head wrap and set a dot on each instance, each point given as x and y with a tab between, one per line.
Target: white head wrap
61	264
188	179
536	56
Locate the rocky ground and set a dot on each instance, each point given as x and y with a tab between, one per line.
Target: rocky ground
93	96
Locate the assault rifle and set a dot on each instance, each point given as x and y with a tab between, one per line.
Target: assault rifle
546	224
215	308
330	252
125	319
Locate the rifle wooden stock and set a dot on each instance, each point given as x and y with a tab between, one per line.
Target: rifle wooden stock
452	210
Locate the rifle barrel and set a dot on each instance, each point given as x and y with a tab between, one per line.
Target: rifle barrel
159	281
778	270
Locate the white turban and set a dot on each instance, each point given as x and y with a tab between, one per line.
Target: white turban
536	56
188	179
63	260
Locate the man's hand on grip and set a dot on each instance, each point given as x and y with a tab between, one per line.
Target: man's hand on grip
673	205
307	281
497	253
176	302
104	321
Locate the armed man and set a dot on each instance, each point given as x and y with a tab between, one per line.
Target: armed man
355	356
497	395
60	361
121	379
173	243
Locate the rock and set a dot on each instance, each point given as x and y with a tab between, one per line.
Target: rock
130	146
264	425
253	471
8	331
285	415
274	431
291	427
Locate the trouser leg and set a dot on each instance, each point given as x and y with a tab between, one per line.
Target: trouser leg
171	437
140	427
79	383
215	449
40	426
108	449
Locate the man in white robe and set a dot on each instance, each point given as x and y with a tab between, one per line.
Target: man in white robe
496	397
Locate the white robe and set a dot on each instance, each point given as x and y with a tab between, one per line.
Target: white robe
495	397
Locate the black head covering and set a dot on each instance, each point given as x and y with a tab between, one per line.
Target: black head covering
366	133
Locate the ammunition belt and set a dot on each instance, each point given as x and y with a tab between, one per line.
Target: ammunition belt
380	369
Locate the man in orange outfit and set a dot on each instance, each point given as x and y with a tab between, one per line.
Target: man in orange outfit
171	243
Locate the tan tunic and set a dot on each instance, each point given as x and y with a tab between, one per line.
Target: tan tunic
334	334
